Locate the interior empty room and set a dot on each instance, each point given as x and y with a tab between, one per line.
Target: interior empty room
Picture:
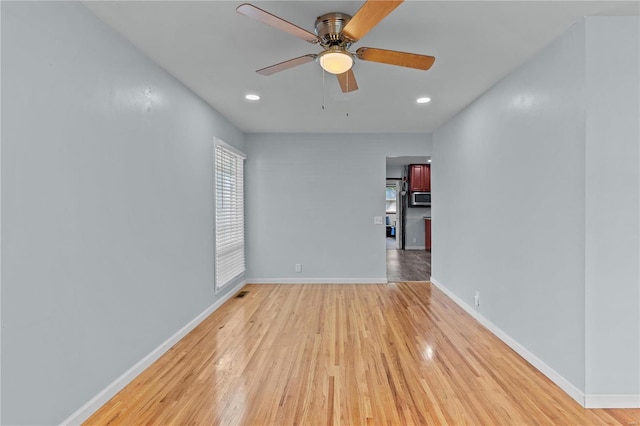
320	212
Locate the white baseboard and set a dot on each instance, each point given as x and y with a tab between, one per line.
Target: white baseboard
612	401
84	412
568	387
316	281
414	247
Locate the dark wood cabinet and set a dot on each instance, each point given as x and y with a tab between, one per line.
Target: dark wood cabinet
415	177
427	234
420	178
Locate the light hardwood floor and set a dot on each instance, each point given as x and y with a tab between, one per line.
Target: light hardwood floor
401	354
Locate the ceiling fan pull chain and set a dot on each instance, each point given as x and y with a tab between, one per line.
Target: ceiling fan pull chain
323	88
347	92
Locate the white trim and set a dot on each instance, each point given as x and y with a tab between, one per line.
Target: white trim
91	406
414	248
231	148
595	400
317	281
568	387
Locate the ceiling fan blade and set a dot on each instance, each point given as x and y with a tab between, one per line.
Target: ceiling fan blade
367	17
393	57
287	64
347	81
267	18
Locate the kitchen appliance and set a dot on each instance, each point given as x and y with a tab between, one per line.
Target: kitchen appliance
420	199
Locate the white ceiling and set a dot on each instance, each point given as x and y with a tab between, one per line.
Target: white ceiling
215	51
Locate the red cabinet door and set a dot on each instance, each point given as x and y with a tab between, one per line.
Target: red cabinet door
426	177
415	177
420	177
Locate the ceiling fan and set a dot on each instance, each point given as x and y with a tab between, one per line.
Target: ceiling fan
335	32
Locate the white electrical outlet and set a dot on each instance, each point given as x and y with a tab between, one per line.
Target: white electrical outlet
414	240
476	298
377	220
298	267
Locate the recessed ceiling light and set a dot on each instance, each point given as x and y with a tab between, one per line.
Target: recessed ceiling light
423	100
252	97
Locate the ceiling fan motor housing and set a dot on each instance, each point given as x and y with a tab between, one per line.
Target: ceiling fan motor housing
329	28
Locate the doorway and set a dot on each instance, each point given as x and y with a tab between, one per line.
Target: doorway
406	256
393	222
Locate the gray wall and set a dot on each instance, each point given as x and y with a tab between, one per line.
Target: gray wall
311	199
415	227
508	197
107	208
394	172
612	213
552	241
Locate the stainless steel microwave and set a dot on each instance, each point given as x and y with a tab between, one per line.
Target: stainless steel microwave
420	199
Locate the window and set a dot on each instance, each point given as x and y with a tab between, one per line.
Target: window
229	182
391	198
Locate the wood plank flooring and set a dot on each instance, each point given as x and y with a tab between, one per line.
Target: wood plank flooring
408	265
401	354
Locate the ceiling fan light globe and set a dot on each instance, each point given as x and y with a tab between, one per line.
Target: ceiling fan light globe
336	62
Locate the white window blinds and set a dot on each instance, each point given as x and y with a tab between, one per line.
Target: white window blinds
229	183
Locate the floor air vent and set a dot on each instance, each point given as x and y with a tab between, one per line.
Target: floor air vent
242	294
